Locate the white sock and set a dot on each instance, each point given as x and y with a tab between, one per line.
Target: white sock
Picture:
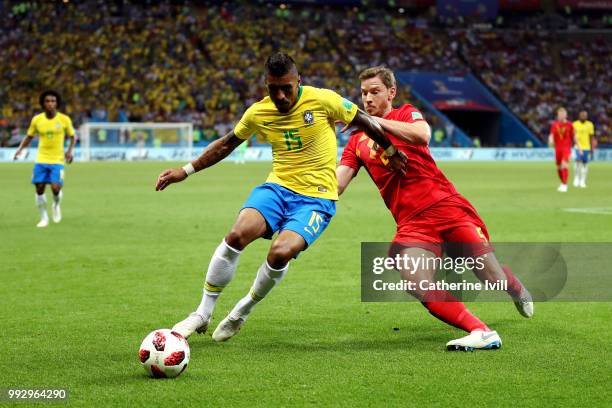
265	280
577	172
585	170
220	272
41	202
57	198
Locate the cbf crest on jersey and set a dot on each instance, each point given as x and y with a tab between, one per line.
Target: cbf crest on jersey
308	118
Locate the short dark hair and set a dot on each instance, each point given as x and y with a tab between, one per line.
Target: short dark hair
43	95
279	64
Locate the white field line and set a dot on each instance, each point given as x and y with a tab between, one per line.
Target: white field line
594	210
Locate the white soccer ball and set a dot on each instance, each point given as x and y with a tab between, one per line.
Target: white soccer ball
164	353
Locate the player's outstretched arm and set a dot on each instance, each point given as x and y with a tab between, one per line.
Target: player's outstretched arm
417	133
344	174
24	143
365	122
68	154
213	154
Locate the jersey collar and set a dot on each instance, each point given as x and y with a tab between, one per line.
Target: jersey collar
297	100
389	113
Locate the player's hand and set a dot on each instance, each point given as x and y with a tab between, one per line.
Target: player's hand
398	162
17	153
168	177
69	157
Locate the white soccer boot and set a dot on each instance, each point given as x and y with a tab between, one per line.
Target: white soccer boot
582	184
562	188
227	329
476	340
524	303
43	222
193	323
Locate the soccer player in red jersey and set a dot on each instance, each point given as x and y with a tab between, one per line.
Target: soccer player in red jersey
428	210
562	137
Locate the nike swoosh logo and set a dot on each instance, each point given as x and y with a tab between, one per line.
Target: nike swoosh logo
308	231
488	336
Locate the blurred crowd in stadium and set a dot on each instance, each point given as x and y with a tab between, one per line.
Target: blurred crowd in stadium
117	61
521	68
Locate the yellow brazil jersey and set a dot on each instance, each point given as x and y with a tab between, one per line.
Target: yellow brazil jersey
584	131
51	133
304	147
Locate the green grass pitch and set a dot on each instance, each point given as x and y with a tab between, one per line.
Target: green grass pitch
77	298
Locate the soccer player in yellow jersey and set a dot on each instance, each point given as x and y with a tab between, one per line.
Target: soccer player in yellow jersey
585	135
51	127
299	197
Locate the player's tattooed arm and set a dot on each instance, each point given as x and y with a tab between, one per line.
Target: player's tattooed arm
365	122
217	151
214	153
372	128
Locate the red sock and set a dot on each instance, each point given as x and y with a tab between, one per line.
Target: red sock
444	306
560	174
564	175
514	285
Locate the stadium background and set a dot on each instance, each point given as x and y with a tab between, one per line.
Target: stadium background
485	73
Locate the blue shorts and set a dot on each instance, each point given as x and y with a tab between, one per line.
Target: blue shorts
584	157
284	209
48	173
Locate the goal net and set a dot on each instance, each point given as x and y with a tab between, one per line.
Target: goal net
136	141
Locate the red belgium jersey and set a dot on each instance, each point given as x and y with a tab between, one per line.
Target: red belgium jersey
405	195
563	134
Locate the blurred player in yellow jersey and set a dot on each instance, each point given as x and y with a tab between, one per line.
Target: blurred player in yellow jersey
52	127
299	197
585	140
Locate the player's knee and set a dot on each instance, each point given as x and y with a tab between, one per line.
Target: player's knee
237	239
281	253
40	189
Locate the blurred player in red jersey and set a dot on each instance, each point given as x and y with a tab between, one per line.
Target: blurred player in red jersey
428	210
562	137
